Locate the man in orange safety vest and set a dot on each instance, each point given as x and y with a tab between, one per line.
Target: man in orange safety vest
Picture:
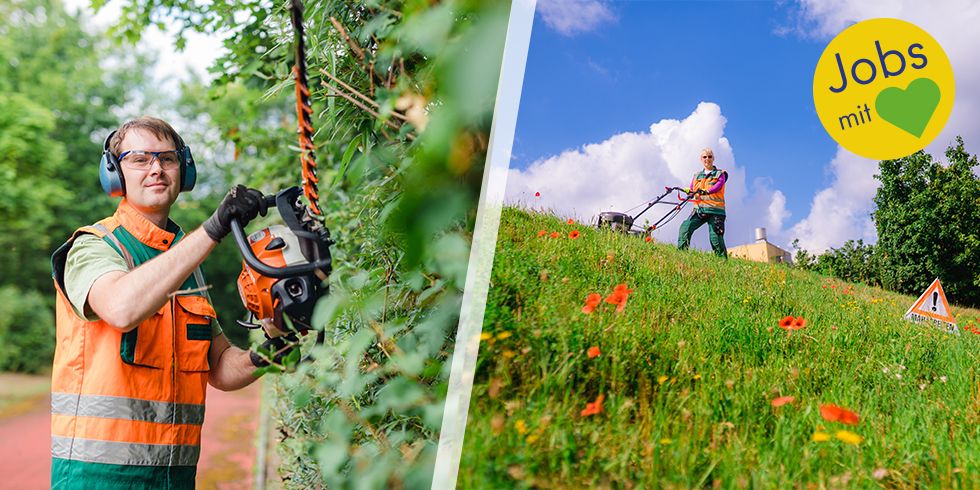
137	339
708	187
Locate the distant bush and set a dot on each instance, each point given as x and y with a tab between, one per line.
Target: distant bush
26	331
853	262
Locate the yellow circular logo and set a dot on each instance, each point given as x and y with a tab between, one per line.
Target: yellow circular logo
883	88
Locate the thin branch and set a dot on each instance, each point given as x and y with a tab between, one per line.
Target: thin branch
349	88
180	292
351	415
366	109
362	96
350	42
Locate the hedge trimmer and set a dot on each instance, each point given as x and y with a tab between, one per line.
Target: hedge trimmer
285	268
626	223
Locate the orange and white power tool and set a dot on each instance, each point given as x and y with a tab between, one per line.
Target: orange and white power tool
285	267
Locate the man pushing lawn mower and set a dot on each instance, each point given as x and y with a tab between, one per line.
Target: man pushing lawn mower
708	186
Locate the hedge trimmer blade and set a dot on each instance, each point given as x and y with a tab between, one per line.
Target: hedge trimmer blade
304	116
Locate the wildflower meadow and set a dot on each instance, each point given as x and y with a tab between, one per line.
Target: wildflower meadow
607	360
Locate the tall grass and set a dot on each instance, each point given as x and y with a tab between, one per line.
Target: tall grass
689	368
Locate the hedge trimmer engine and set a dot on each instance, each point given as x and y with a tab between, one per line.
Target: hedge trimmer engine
284	267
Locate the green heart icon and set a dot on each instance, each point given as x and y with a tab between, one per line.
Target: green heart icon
911	109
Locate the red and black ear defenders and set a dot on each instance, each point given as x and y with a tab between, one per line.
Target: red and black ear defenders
111	176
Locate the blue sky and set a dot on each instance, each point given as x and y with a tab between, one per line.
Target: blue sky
598	71
659	60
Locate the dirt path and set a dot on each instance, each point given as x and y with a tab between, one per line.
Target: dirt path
228	449
25	451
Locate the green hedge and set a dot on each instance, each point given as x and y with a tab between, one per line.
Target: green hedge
26	331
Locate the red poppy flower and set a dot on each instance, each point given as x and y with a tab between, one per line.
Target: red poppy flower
570	221
593	352
834	413
542	233
574	234
790	323
555	234
593	408
537	194
648	239
591	302
783	400
619	297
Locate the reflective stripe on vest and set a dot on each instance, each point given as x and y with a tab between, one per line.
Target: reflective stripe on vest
124	453
115	241
117	407
131	399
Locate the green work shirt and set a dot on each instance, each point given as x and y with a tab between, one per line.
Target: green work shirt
90	258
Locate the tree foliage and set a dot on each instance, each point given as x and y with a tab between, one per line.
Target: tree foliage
48	59
26	331
854	261
926	218
402	93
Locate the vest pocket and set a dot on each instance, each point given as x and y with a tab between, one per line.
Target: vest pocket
194	317
141	346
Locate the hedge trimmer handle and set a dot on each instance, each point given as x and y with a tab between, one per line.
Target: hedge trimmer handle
261	267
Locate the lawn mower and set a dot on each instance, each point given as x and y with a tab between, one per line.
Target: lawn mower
627	224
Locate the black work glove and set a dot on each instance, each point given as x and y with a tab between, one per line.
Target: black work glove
280	347
241	203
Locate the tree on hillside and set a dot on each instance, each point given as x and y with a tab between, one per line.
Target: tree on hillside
854	261
927	221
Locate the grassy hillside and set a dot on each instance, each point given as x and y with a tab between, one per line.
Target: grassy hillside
688	371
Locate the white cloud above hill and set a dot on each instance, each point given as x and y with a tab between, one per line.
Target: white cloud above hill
628	169
842	211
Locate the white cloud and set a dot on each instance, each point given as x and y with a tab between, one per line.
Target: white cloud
631	168
841	211
570	17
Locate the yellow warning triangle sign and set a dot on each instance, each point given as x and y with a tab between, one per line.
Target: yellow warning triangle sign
932	305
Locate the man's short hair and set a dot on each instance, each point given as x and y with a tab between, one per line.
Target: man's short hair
158	127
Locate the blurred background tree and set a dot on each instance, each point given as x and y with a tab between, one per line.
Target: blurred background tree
55	97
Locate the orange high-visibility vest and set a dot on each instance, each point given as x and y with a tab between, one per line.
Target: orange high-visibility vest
127	408
714	202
